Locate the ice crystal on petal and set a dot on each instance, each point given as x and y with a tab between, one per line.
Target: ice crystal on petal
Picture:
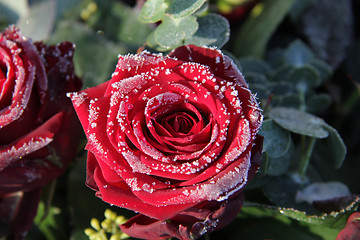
77	98
14	153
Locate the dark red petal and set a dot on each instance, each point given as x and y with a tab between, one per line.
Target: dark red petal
221	65
188	224
17	212
33	141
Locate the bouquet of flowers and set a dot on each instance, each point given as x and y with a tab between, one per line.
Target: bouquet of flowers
168	119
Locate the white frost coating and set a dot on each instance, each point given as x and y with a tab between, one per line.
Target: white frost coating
127	85
218	189
93	111
133	184
147	188
135	163
14	153
77	98
244	137
13	112
94	142
162	99
228	184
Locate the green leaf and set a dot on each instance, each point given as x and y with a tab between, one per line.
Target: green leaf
258	28
13	10
49	224
305	78
281	74
318	103
131	31
333	147
323	68
276	140
184	7
95	57
291	101
281	190
213	31
334	219
277	166
256	78
39	21
152	11
297	54
328	29
299	122
172	31
281	88
251	64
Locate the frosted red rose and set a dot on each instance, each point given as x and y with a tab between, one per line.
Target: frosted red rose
38	126
173	138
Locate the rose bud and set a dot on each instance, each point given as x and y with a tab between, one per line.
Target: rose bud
173	138
38	126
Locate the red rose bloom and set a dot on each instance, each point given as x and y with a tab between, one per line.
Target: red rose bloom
352	228
38	127
173	138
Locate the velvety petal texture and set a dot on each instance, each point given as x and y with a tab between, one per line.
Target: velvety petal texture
173	138
38	126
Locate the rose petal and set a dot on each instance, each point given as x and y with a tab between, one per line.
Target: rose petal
33	141
221	65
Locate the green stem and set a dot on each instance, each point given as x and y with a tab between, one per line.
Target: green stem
306	152
50	195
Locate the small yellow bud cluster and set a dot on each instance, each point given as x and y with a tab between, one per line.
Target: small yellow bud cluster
109	226
89	10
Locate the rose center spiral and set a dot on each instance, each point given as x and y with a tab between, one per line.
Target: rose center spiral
178	122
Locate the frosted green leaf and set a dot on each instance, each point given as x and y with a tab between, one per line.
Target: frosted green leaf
332	148
305	77
297	54
152	11
318	102
213	31
276	139
299	122
184	8
172	31
251	64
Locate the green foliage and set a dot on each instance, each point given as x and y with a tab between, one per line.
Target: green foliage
253	35
213	31
152	11
183	22
299	122
292	85
294	135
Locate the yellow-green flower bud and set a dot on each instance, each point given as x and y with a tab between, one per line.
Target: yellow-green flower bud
120	220
90	232
107	225
95	224
110	214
